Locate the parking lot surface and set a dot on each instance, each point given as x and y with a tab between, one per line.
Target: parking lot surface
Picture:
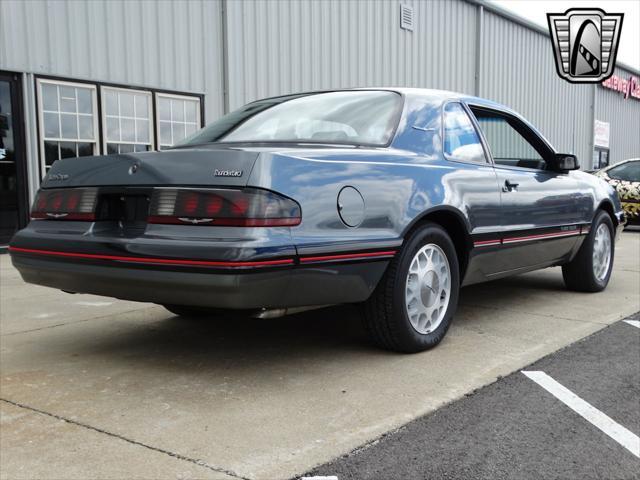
515	429
98	388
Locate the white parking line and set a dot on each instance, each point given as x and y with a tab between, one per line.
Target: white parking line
635	323
624	437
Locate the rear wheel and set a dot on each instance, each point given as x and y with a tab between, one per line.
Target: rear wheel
412	307
590	270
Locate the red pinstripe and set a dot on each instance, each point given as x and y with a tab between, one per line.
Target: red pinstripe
166	261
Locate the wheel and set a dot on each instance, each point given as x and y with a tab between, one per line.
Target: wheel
412	307
193	312
590	270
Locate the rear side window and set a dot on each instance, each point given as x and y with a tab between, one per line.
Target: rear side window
461	142
629	172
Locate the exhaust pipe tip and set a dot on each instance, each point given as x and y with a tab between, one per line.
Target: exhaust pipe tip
267	313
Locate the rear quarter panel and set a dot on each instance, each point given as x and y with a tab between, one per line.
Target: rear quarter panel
398	187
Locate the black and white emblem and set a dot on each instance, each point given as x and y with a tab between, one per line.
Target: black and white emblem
585	43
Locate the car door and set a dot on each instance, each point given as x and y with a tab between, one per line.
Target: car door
540	215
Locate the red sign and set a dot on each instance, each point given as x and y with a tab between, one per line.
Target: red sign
630	87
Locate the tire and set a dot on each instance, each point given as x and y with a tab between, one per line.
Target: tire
386	314
193	312
584	273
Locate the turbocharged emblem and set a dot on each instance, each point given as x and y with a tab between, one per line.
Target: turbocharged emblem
228	173
585	43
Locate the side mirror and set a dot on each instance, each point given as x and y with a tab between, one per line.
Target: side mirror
563	162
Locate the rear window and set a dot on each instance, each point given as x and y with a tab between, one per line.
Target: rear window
362	117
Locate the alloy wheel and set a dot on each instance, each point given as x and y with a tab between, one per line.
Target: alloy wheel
428	288
601	252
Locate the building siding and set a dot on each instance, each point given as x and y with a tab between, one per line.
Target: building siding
623	115
236	51
171	45
279	47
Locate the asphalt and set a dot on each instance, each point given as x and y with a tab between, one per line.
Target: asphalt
516	429
96	388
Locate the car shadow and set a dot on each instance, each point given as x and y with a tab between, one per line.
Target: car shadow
235	341
220	344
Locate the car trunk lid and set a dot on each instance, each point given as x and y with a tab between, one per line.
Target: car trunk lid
202	166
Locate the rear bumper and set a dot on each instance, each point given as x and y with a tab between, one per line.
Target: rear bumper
244	274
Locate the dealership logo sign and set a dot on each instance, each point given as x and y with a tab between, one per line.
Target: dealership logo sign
629	88
585	43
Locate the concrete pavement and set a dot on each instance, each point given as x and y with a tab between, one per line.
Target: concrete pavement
168	397
515	429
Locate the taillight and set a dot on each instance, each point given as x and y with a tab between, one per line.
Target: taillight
65	204
248	207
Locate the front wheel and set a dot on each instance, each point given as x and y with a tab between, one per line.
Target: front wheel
591	268
412	306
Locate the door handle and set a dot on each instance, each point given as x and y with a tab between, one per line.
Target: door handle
509	186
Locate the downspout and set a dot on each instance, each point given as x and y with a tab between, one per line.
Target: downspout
479	35
592	143
31	140
225	56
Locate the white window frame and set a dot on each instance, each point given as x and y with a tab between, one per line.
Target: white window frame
40	106
158	95
151	118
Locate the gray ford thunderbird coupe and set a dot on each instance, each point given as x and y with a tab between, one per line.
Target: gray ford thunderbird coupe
389	198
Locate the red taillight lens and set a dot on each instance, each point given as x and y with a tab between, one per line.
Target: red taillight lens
65	204
249	207
214	205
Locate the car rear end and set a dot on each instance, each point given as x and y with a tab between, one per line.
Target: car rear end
212	223
175	227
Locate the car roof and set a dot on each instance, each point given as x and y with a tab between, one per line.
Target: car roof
413	92
428	93
439	94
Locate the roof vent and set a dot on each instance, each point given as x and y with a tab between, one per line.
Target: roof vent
406	17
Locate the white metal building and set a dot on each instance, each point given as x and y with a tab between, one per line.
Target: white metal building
103	76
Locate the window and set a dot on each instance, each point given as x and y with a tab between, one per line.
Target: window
68	126
508	145
357	117
629	171
178	118
127	125
71	124
461	142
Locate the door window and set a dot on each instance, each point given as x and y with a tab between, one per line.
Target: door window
507	144
629	172
13	188
461	142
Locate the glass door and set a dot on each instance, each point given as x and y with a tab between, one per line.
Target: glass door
600	158
13	185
